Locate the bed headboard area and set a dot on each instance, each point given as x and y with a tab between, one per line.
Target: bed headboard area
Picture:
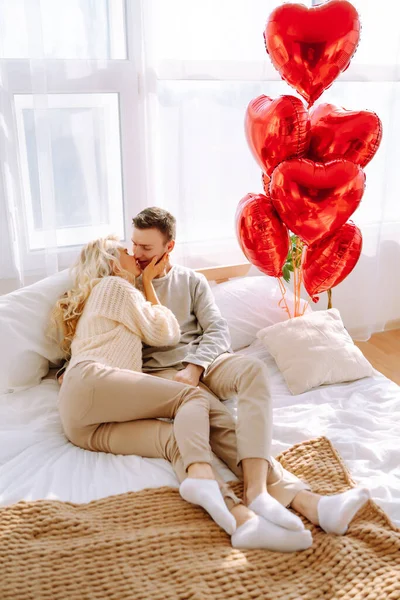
226	272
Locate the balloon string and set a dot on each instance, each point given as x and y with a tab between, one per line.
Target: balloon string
282	302
297	277
305	308
300	280
294	262
329	298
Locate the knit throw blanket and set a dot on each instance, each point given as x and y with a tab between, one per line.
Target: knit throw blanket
151	545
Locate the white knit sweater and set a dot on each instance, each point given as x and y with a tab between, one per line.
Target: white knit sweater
115	321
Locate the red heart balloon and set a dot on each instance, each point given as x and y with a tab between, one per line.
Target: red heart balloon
340	133
315	199
276	130
310	47
329	261
262	236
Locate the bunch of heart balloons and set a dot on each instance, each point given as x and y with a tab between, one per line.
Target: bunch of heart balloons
312	158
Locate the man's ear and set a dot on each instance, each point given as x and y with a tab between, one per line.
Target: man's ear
170	246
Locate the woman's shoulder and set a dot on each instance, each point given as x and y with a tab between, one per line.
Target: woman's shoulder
118	285
112	294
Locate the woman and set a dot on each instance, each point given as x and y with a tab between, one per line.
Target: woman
105	398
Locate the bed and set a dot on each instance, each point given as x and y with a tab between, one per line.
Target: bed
362	420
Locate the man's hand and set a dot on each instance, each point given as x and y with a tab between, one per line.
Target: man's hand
190	375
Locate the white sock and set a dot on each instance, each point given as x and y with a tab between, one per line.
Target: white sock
267	507
336	512
259	533
206	493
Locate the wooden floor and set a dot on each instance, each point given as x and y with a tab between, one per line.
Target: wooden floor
383	352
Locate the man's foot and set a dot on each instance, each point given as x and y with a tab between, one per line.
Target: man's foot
336	512
262	534
267	507
206	493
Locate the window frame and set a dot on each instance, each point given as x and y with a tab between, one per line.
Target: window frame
44	77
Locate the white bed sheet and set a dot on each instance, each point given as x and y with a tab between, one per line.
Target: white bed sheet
362	419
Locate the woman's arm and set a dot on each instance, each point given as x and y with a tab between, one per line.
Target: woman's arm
120	301
152	271
150	292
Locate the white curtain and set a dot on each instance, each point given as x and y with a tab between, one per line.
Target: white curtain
69	131
109	106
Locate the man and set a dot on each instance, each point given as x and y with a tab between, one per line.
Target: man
187	294
204	357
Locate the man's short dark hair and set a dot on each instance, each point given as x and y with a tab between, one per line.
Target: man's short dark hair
156	218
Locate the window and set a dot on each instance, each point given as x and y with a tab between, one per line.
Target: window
85	166
71	126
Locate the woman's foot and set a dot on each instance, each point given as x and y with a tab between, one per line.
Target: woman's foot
258	533
206	493
270	509
336	512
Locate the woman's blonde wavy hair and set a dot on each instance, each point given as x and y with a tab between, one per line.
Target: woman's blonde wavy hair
98	259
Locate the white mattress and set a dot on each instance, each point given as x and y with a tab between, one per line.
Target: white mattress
362	419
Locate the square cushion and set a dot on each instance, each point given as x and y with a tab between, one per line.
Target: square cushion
314	350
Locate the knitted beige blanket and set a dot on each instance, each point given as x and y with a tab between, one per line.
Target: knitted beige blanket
151	545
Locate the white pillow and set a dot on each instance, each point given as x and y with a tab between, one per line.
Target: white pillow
25	351
249	304
314	350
